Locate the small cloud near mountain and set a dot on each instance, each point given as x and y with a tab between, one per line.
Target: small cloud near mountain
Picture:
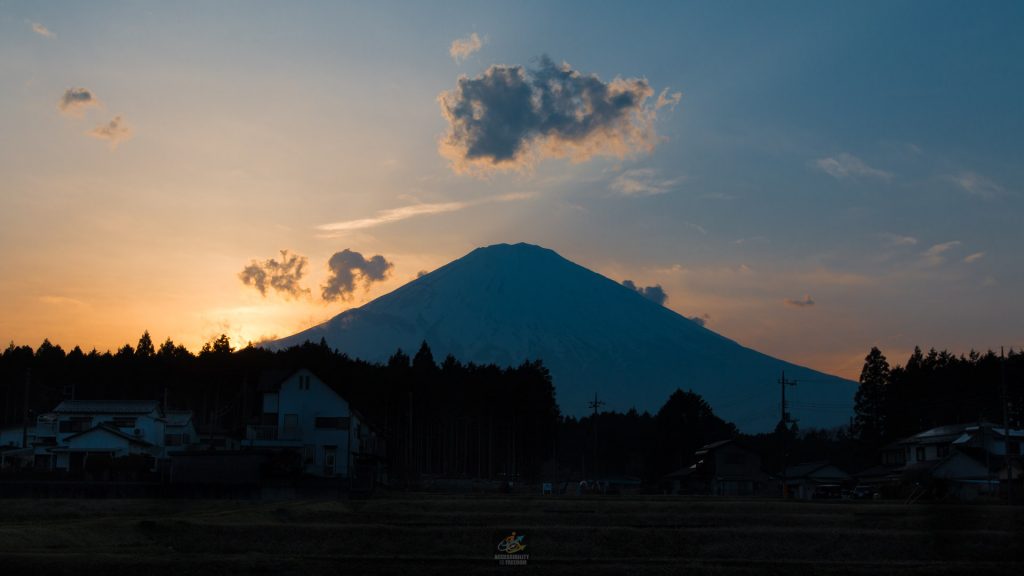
282	276
346	268
654	293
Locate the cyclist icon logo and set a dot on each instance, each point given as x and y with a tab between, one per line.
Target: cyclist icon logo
512	544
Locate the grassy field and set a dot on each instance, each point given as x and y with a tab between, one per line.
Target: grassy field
421	534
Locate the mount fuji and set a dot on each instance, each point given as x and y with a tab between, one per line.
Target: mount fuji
504	304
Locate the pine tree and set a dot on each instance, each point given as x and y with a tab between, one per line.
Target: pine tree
869	408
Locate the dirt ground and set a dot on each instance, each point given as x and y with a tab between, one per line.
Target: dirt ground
426	534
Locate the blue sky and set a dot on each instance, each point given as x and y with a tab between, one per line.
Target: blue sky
861	156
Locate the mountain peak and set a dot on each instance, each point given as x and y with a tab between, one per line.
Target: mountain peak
507	303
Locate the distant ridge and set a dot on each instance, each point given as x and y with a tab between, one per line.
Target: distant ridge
508	303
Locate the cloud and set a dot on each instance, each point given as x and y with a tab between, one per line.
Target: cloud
845	165
976	185
804	302
666	99
701	320
463	48
279	275
654	293
75	100
972	258
346	266
509	117
115	131
642	182
899	240
42	30
413	210
936	254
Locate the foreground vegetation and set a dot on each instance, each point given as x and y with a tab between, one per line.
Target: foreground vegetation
422	534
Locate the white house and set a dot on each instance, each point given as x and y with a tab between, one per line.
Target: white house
304	414
78	430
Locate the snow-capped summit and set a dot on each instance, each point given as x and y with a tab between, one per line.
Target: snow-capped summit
508	303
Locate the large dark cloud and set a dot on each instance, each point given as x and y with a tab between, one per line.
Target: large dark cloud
654	293
509	116
347	267
279	275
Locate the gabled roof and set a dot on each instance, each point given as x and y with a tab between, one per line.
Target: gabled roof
109	430
107	407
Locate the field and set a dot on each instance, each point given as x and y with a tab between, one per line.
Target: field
428	534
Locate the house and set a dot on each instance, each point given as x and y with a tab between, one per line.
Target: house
962	460
815	480
304	415
723	468
82	434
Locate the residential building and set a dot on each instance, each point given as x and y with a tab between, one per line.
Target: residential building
304	415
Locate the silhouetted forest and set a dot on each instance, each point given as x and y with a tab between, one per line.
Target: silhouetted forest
483	421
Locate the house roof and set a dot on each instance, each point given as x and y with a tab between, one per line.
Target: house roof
109	430
107	407
713	445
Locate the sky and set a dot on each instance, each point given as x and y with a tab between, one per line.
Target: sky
810	179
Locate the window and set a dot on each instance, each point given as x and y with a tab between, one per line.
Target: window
303	382
172	440
330	453
942	451
921	454
1013	447
332	422
123	422
309	453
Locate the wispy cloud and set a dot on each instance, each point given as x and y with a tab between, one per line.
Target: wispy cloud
42	30
804	302
412	211
937	253
842	166
976	185
510	117
666	99
75	100
899	240
114	132
463	48
972	258
643	182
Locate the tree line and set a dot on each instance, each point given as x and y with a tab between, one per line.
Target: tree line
456	419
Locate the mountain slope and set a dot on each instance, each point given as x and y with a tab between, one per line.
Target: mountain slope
507	303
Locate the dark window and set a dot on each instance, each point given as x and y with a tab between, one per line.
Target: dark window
172	440
921	454
123	422
332	422
942	451
1013	447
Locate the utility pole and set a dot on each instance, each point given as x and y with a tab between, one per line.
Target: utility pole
1006	427
595	405
784	420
